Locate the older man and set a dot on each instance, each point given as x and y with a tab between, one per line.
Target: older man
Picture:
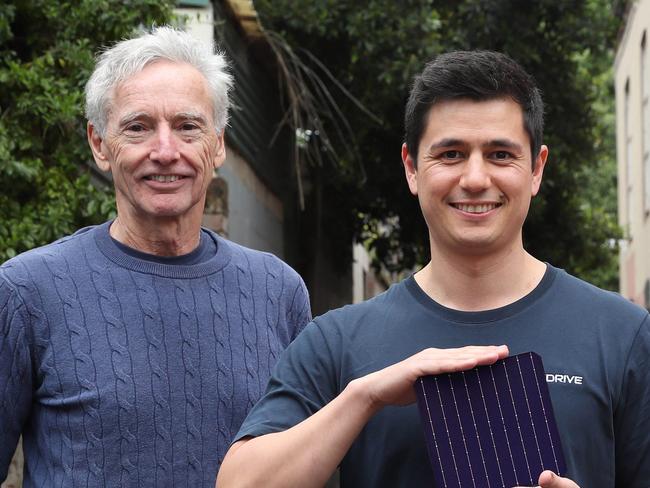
474	157
130	352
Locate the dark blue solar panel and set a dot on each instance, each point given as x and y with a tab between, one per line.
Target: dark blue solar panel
492	426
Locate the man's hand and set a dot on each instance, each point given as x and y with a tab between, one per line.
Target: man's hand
394	385
548	479
307	454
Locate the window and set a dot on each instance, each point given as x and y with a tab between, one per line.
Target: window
628	163
645	121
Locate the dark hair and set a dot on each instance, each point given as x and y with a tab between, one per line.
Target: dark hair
476	75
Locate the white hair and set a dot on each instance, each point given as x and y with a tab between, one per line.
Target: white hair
128	57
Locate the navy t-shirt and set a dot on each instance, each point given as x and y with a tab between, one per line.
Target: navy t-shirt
595	347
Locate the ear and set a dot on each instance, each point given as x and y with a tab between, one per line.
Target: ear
220	155
98	148
540	163
410	170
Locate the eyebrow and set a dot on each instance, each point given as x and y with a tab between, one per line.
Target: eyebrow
507	143
130	117
450	142
196	117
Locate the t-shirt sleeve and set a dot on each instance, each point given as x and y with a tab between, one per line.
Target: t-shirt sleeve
632	415
15	373
303	381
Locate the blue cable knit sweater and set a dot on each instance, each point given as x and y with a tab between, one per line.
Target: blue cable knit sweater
120	371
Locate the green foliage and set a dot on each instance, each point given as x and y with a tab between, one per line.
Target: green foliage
375	47
46	56
598	192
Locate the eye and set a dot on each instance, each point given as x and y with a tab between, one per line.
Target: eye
501	155
451	154
189	126
135	127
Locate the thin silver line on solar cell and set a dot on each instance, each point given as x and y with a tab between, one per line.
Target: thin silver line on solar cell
435	441
462	431
478	438
530	414
487	415
548	430
503	422
444	417
521	437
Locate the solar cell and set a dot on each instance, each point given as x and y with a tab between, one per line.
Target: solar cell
492	426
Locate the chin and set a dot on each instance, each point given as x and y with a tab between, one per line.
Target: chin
475	244
171	213
164	212
168	208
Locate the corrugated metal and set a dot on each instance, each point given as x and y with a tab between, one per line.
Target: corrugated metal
246	15
256	108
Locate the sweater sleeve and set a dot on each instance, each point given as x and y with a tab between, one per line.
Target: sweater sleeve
632	417
300	312
15	372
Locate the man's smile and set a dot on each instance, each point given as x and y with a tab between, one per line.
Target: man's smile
164	178
475	208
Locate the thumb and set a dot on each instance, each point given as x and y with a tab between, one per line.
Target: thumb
548	479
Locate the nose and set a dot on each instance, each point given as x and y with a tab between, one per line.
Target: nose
165	150
475	176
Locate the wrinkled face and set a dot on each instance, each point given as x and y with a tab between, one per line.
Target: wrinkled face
474	176
161	144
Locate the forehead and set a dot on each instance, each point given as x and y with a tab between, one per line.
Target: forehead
475	121
163	88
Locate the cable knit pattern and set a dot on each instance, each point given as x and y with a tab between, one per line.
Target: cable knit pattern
224	359
120	371
249	331
192	381
86	390
117	337
12	348
54	426
158	381
273	276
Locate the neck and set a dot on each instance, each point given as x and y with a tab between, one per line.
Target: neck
476	283
160	238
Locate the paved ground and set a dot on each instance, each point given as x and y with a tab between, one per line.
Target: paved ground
15	475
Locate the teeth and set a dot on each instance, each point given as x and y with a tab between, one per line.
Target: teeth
164	178
475	208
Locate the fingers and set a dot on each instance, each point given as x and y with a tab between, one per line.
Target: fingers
394	385
437	361
548	479
485	353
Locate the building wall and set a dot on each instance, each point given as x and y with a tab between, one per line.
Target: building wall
255	214
632	79
365	283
